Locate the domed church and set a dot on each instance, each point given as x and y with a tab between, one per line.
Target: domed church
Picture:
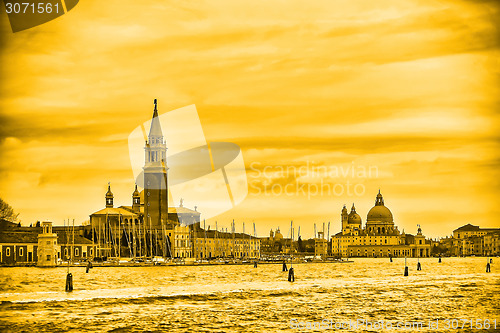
379	237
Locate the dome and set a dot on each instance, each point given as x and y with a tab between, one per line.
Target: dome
354	218
109	194
379	212
278	234
136	192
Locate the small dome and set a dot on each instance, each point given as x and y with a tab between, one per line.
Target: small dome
278	235
354	217
136	192
109	193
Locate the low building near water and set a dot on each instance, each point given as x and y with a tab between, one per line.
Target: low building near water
44	246
320	246
47	246
210	244
471	240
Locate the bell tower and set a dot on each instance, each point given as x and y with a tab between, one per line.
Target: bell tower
155	175
345	217
109	197
136	200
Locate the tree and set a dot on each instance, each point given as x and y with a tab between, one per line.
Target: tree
299	243
7	212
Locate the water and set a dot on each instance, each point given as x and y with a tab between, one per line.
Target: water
243	298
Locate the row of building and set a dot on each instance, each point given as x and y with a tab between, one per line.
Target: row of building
42	245
471	240
379	237
150	228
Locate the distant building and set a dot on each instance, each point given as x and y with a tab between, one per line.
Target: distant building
43	246
47	246
320	246
379	238
471	240
216	244
275	243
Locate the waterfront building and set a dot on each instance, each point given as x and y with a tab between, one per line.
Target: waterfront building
470	230
18	247
21	245
379	238
216	244
491	242
471	240
320	246
47	246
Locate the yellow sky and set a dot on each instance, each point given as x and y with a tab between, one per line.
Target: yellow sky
409	87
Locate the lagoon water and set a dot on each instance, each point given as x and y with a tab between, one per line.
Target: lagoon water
244	298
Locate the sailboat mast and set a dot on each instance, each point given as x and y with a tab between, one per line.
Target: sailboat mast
151	237
291	244
119	236
73	247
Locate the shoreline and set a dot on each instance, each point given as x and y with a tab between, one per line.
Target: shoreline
98	264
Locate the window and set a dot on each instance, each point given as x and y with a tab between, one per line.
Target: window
49	242
48	257
21	252
7	252
91	251
77	252
66	252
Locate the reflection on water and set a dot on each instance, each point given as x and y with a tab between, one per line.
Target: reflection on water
244	298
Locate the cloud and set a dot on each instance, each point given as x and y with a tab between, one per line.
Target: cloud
408	86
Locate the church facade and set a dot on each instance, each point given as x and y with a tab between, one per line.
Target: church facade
379	237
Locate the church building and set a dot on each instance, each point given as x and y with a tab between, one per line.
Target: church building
148	227
379	237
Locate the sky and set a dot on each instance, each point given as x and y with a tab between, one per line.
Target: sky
404	92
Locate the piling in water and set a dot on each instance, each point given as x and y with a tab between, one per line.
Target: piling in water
284	267
69	282
406	270
291	275
419	267
488	268
439	259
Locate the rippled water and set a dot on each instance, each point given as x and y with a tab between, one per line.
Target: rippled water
243	298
